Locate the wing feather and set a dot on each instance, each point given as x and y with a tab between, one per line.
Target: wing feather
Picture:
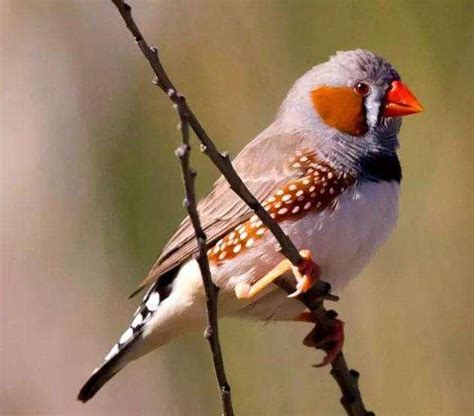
264	166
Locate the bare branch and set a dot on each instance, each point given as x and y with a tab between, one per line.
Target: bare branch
313	299
212	291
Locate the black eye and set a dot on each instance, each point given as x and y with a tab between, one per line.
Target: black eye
362	89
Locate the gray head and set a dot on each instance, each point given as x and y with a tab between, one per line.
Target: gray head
351	105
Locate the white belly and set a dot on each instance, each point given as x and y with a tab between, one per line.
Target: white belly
341	242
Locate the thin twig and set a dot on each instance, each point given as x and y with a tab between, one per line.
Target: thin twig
212	291
346	379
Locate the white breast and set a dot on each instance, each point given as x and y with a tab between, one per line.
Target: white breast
342	242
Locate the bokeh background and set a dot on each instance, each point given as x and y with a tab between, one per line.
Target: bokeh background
90	192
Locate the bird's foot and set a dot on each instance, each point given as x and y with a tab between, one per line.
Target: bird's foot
306	275
331	343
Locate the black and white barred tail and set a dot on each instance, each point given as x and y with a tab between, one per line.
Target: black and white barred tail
124	350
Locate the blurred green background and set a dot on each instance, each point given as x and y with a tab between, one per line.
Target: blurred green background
91	192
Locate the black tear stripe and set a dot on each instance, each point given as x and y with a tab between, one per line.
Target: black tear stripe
381	167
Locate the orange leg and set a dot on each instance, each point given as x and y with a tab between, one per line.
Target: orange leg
306	274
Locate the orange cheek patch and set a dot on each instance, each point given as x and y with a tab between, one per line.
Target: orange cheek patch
341	108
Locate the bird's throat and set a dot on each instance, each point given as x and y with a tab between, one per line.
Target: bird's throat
341	108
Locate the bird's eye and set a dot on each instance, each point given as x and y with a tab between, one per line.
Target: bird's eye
362	89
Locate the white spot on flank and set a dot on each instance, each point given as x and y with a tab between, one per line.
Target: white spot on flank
153	302
295	209
312	188
330	175
322	190
237	248
260	231
280	192
249	242
318	204
244	235
232	235
331	190
126	336
303	159
222	255
306	182
112	352
292	187
300	198
286	197
278	205
137	320
300	192
307	205
313	195
282	211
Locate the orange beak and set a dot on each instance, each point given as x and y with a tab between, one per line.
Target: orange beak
400	101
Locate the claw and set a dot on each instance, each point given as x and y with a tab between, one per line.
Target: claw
335	342
331	343
306	274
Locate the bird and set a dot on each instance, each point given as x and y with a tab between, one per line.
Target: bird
326	169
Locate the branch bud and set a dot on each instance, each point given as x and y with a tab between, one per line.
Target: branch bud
181	151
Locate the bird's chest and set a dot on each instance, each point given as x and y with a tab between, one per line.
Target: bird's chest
343	240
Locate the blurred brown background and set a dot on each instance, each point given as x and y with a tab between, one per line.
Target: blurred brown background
90	192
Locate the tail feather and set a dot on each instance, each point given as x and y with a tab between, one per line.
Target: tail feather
99	377
125	350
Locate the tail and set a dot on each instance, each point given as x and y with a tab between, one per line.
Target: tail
128	348
99	377
161	317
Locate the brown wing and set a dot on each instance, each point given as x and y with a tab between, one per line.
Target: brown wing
264	167
317	190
